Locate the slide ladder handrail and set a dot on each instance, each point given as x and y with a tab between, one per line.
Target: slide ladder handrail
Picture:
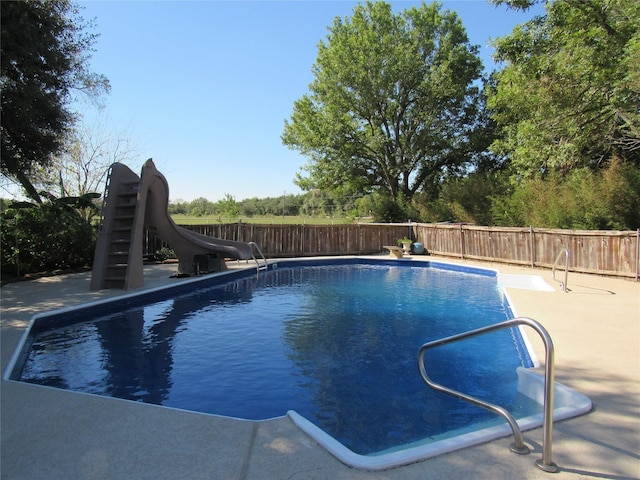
564	251
259	267
107	184
545	463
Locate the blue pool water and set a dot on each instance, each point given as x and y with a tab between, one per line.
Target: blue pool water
335	342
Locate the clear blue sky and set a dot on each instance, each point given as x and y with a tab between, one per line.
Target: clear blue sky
204	87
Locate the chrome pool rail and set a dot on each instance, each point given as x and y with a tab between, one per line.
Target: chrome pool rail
545	463
259	267
564	251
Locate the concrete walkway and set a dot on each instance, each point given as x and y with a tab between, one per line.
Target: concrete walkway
55	434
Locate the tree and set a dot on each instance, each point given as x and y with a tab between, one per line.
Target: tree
227	207
579	199
82	166
178	207
92	148
201	207
392	106
45	52
569	95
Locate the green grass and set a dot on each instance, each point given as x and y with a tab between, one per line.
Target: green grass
268	220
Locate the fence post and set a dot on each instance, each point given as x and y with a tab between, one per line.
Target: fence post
461	243
532	246
637	253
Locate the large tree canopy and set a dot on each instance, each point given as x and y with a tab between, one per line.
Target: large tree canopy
569	95
44	58
393	104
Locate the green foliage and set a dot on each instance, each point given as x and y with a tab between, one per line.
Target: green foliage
580	199
44	237
318	203
515	4
403	240
465	199
227	207
329	204
392	107
569	96
201	207
4	204
179	207
387	209
583	199
165	253
314	203
44	57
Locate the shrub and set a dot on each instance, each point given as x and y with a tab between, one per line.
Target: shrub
165	253
45	237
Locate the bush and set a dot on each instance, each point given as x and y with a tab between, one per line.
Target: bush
165	253
385	209
45	237
581	199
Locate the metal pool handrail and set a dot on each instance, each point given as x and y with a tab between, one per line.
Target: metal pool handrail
545	463
566	268
259	267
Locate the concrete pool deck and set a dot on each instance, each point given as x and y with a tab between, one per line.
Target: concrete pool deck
55	434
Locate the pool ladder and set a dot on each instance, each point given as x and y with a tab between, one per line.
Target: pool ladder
259	266
518	446
564	251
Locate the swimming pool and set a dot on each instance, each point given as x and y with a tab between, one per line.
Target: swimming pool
254	347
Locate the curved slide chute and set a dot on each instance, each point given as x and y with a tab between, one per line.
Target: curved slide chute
133	204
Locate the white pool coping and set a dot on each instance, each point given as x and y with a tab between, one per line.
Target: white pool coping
524	282
568	403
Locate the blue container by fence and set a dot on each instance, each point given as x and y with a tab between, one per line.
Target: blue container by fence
417	248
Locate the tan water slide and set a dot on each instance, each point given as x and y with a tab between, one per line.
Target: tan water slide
133	204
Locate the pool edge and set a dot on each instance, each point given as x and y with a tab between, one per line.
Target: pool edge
569	403
380	462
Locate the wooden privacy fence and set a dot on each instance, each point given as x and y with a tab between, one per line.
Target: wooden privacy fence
303	240
590	251
601	252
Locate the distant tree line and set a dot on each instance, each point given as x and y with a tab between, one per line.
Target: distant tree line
604	200
310	204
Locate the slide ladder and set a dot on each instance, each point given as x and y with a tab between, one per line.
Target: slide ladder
134	204
111	265
120	240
